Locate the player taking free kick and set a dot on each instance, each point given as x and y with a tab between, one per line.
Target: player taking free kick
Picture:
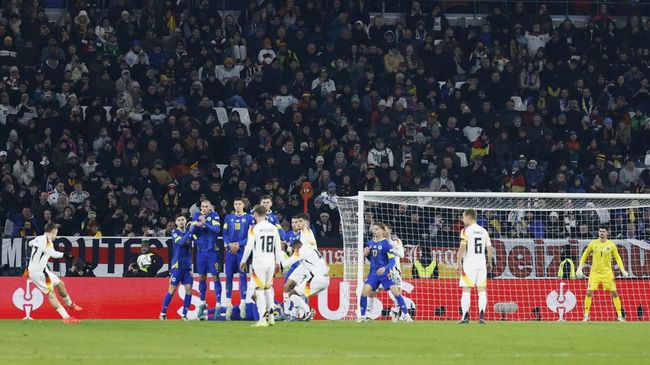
601	251
471	264
264	243
44	279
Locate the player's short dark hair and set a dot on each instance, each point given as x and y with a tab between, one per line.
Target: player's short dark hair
388	227
603	227
303	216
238	199
264	197
180	215
470	213
296	242
259	210
50	227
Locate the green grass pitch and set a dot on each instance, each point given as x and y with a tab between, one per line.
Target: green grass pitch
341	343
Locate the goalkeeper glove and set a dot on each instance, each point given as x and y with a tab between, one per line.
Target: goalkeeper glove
624	273
579	272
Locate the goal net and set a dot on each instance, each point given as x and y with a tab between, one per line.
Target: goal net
537	238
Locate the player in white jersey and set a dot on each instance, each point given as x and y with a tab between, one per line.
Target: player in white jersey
471	263
44	279
300	275
313	264
265	245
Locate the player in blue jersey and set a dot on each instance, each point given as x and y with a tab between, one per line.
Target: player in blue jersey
207	256
380	252
181	265
235	234
290	236
267	202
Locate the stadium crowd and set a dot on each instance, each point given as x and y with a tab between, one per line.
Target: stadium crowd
329	96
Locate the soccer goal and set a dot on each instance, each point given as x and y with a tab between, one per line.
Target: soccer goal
537	238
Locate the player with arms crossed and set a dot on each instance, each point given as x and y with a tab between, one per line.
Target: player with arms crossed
235	235
264	243
312	262
44	279
382	261
207	256
474	243
181	265
601	251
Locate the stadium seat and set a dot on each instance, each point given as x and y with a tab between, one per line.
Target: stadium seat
520	106
244	117
222	115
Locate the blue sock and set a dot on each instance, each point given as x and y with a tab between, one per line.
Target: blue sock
168	298
402	304
229	277
217	289
186	303
202	289
243	286
364	305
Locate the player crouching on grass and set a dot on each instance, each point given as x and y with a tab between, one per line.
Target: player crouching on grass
382	260
181	265
471	264
44	279
264	243
601	251
314	281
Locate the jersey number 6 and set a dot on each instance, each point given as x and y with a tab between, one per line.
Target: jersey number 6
478	247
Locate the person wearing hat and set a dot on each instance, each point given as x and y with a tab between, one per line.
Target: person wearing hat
553	227
380	151
323	85
534	175
228	71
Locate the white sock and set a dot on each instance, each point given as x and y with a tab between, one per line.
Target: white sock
270	300
371	303
260	300
228	302
465	301
299	303
64	314
67	300
286	304
482	301
249	294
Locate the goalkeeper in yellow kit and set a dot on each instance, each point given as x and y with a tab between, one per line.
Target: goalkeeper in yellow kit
601	251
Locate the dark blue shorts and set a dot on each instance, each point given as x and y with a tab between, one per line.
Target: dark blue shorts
180	276
233	261
385	280
207	263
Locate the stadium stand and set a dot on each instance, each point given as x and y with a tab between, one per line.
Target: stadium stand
116	118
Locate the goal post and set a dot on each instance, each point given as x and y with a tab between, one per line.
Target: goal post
538	239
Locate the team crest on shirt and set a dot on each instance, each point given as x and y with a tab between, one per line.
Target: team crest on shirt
209	218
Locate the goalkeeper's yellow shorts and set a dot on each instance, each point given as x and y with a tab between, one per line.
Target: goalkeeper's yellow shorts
606	279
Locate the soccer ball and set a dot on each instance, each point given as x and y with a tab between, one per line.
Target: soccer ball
144	261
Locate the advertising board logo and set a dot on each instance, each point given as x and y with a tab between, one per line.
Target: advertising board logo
27	299
561	302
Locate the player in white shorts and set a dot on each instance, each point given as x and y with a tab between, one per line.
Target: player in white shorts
265	245
471	263
44	279
301	274
317	280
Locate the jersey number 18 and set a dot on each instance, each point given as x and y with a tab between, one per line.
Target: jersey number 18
267	244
